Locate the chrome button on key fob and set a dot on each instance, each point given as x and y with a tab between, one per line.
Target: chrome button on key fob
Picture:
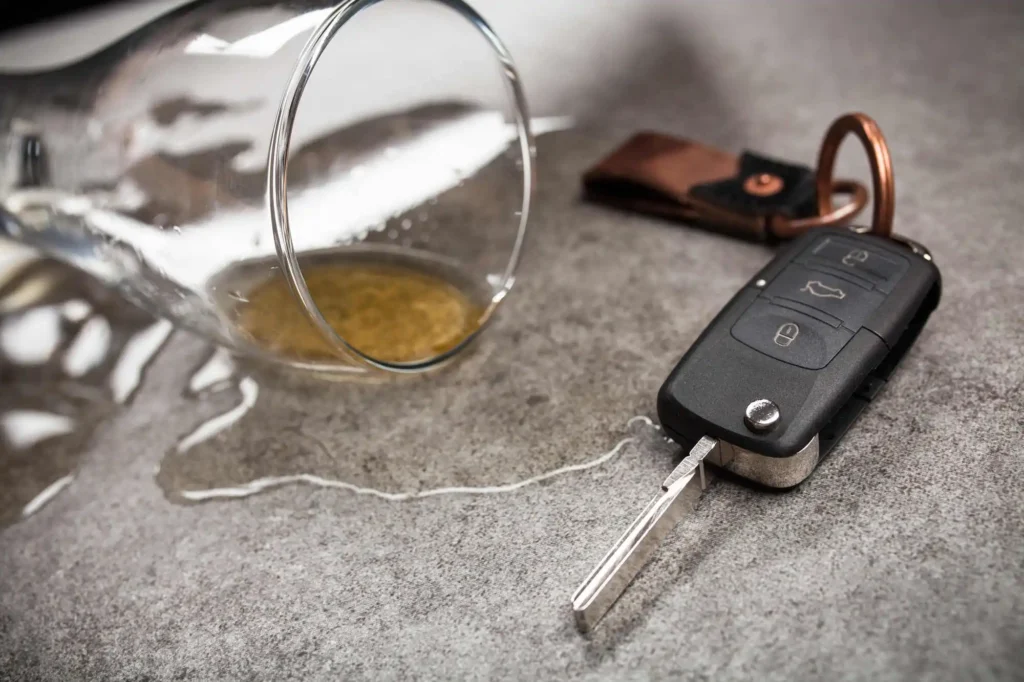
777	378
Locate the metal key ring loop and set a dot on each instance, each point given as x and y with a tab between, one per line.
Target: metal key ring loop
782	228
865	128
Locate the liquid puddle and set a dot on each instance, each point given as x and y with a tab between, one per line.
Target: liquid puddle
214	374
48	493
136	355
191	458
219	364
208	429
71	353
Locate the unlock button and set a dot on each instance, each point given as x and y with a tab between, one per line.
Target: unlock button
788	335
881	267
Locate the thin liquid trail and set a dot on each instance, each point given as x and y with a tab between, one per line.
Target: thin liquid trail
262	484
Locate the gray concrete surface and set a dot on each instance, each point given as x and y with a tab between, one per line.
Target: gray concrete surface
901	558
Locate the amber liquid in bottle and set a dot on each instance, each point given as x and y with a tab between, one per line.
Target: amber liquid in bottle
390	311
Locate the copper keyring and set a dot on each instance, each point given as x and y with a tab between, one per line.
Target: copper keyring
783	228
877	150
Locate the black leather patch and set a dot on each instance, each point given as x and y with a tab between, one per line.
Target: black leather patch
796	199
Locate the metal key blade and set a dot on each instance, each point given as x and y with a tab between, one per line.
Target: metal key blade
606	583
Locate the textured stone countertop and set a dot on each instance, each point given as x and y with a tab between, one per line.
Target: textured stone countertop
902	557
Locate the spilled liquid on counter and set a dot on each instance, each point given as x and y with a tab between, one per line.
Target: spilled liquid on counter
467	428
71	354
221	460
635	426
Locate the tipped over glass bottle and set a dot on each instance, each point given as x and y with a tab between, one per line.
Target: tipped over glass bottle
334	186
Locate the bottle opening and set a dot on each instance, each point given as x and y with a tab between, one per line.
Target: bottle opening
398	185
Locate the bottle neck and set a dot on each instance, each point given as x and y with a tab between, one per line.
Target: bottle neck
44	120
16	110
41	155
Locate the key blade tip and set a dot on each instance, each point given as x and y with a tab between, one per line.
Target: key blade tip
583	626
586	619
583	607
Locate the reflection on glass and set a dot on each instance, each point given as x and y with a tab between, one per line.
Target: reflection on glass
71	353
408	178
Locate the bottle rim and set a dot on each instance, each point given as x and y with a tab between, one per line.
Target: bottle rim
277	173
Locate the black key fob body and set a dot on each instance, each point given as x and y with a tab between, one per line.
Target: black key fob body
791	361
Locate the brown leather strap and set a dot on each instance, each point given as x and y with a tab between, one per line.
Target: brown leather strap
655	173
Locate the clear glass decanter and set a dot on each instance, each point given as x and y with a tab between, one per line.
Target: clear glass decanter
335	186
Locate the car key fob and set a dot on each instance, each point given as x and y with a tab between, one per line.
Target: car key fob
777	378
792	360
